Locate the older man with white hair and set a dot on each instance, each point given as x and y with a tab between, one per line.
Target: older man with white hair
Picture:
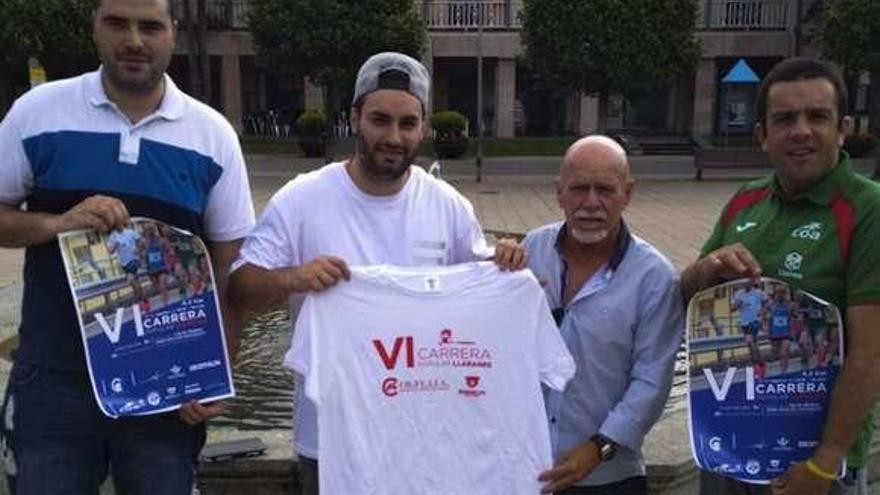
616	300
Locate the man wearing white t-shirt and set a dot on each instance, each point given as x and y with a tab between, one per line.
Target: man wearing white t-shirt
374	208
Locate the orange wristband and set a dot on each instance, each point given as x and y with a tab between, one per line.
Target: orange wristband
817	471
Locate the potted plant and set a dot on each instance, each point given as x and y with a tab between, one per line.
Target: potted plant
450	140
311	127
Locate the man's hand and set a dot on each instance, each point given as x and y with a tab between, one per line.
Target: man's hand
194	412
98	212
19	228
319	274
798	480
573	466
253	289
726	263
509	255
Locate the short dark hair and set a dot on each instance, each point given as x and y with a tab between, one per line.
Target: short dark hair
800	69
168	8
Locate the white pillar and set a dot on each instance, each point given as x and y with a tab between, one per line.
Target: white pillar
505	96
705	92
589	114
231	87
314	95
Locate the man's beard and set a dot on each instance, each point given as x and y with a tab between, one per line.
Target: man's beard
588	236
140	83
377	172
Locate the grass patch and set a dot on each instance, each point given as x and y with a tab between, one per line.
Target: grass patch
520	146
258	145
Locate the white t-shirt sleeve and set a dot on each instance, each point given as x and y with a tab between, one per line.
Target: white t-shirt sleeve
16	175
470	243
303	353
270	244
556	364
229	214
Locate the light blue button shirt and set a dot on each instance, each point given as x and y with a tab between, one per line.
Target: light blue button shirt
623	329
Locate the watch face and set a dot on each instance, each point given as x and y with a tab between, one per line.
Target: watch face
607	448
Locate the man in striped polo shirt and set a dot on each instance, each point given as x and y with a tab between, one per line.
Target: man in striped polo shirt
810	224
89	152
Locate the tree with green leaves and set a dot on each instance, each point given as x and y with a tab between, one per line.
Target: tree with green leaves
327	40
849	33
55	32
604	46
58	33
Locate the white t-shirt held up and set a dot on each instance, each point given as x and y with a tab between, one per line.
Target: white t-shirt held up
428	380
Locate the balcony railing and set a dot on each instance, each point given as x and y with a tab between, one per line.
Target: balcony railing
733	15
468	14
744	15
221	14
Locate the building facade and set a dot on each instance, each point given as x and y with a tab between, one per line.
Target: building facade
758	32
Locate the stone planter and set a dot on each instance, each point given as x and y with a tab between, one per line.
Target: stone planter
312	146
450	146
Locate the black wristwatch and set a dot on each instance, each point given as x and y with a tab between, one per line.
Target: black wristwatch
607	447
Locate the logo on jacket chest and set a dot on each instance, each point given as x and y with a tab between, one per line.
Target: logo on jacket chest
810	231
791	265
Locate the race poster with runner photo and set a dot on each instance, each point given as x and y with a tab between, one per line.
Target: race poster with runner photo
149	317
763	358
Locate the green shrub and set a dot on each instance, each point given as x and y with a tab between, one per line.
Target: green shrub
448	123
311	123
859	145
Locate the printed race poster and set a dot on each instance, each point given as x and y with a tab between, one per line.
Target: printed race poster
149	317
763	358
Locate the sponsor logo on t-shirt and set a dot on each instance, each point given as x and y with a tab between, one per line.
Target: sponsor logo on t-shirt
392	386
811	231
472	387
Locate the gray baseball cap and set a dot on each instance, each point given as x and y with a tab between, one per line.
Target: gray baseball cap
392	70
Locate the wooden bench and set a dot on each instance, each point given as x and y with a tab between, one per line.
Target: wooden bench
715	158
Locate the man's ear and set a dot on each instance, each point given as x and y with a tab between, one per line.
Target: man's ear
846	128
628	186
353	118
558	183
761	135
175	28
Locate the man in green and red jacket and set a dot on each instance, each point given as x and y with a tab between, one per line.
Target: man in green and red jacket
814	223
